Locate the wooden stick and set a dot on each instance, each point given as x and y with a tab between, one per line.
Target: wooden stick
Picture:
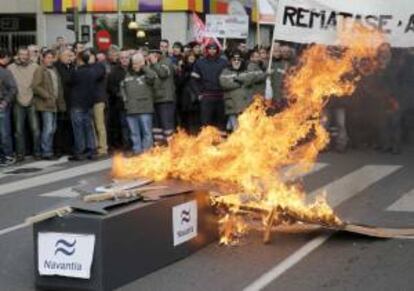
268	228
119	194
49	214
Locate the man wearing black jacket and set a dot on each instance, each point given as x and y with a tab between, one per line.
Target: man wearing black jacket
118	127
83	81
206	72
64	135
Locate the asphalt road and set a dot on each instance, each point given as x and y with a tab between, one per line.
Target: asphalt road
365	187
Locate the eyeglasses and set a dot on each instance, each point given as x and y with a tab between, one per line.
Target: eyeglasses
236	59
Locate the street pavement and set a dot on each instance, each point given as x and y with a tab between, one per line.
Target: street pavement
364	187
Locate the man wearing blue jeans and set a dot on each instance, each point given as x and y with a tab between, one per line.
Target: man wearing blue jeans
24	110
8	90
140	126
48	91
83	82
137	93
84	137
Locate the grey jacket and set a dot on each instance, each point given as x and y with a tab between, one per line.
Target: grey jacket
236	89
8	86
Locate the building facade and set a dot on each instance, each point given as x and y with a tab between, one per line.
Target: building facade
40	21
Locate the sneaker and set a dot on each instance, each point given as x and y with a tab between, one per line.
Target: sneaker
37	157
3	163
76	158
9	160
19	158
50	158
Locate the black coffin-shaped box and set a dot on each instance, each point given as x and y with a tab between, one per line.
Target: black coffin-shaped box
131	241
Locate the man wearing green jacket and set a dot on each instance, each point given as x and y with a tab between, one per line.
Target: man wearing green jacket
164	98
138	96
236	81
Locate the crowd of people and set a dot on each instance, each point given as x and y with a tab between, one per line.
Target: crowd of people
75	101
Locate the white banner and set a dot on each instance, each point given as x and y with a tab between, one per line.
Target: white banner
318	21
65	254
227	26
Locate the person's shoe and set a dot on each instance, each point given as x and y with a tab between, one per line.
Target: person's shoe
93	157
102	156
76	158
19	158
396	151
50	158
37	157
9	160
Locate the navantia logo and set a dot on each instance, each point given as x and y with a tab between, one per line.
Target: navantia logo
65	247
185	216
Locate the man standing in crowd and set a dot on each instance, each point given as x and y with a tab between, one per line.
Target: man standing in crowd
138	95
48	92
64	134
164	95
118	129
256	65
235	81
81	101
100	100
279	69
8	91
23	71
206	72
165	47
34	53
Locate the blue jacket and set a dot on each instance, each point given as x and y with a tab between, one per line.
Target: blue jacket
207	72
84	86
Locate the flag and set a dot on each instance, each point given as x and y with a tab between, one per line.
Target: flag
199	32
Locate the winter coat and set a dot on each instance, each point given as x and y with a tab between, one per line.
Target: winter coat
115	77
23	75
236	85
100	91
45	97
279	70
65	72
187	100
164	86
207	71
83	82
259	83
8	87
137	91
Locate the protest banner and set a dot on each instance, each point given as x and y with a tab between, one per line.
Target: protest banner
319	21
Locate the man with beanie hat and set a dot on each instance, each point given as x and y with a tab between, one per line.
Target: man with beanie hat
206	72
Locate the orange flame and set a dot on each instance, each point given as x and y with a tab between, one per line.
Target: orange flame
251	158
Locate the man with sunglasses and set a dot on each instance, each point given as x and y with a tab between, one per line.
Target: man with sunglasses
236	81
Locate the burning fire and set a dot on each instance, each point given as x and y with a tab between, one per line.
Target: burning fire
250	161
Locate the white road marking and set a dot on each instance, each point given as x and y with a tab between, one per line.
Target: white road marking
13	228
338	191
36	164
62	193
404	204
294	172
28	183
